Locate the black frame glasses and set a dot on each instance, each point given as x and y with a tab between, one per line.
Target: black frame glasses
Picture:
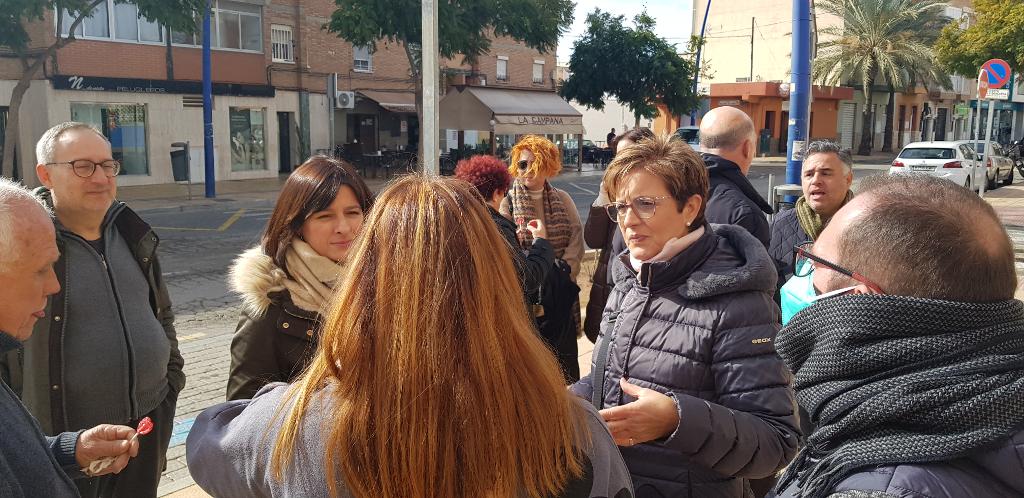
644	207
804	261
84	168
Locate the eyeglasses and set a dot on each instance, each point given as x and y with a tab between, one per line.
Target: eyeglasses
85	168
643	207
523	164
804	261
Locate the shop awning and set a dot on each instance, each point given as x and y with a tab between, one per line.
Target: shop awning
399	102
513	111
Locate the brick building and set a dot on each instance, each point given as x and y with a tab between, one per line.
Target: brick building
272	67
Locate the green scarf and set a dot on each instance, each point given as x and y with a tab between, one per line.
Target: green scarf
812	222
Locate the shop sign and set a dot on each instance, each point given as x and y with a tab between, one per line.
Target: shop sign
537	120
138	85
730	102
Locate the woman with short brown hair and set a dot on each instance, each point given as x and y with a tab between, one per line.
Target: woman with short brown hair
430	379
286	280
685	372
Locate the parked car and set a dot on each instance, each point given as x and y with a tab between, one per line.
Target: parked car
999	161
954	161
690	134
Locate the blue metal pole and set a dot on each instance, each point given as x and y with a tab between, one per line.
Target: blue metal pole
800	90
700	47
210	177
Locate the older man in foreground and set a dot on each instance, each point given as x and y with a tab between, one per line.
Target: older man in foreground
32	464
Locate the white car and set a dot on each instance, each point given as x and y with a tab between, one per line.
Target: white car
953	160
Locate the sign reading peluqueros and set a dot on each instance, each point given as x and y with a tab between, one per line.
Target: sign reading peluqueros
537	120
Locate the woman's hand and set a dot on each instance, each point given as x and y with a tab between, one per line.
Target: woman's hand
653	415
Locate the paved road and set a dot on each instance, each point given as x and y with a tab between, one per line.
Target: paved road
198	245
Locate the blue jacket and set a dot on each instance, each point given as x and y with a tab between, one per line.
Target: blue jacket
700	328
997	473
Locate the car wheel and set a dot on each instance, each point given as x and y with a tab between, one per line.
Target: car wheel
1009	178
967	183
991	183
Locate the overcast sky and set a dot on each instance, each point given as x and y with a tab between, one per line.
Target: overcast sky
673	18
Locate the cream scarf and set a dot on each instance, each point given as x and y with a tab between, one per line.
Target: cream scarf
672	248
312	277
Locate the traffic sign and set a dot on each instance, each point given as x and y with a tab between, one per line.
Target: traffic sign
983	84
998	72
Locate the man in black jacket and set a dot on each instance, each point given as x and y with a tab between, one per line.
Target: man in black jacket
32	464
728	143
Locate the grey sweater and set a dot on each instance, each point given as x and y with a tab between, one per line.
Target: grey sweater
230	445
115	369
31	464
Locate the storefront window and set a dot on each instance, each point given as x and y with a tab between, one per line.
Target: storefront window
125	126
248	144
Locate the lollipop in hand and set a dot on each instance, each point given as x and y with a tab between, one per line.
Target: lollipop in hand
96	467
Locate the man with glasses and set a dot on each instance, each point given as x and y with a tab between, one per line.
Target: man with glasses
106	350
907	347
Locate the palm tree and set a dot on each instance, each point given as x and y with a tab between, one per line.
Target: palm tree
878	41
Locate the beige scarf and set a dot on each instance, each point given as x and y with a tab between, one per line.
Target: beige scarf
313	277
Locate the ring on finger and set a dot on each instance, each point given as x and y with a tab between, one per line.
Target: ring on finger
631	442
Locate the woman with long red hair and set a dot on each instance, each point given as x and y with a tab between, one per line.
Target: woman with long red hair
430	379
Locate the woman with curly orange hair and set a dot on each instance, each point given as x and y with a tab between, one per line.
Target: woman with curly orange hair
557	308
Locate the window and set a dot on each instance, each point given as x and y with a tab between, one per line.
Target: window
362	59
248	144
125	126
538	71
234	25
281	43
502	68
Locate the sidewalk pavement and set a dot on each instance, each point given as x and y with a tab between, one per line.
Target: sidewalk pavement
1008	203
885	158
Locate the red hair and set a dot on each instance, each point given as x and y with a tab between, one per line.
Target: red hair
487	173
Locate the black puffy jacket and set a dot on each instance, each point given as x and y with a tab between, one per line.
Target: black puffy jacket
786	233
700	328
732	200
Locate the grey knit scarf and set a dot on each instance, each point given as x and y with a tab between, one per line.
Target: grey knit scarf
890	380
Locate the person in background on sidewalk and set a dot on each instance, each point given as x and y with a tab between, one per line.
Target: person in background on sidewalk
600	232
826	178
685	371
728	144
609	140
430	379
491	178
913	370
534	160
286	281
106	351
31	464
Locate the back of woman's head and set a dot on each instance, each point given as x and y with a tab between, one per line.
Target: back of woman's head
487	173
442	386
312	187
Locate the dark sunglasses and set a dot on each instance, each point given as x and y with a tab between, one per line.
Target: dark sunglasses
523	164
803	265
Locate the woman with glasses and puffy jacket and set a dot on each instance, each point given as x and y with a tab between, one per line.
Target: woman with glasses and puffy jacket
685	372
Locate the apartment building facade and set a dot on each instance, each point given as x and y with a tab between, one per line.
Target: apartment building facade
272	67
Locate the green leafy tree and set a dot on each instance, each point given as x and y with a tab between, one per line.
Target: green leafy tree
632	64
464	28
17	15
997	31
878	41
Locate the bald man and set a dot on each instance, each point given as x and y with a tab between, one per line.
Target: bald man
728	143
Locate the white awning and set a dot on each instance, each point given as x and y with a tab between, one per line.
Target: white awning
398	102
514	112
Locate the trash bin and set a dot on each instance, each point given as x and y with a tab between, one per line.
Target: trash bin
180	162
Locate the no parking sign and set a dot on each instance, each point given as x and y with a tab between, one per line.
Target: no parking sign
998	72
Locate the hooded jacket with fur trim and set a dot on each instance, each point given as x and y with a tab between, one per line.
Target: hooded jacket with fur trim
275	339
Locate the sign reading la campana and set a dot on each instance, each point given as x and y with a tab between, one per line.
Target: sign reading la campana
137	85
519	119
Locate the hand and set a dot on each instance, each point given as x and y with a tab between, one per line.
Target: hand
537	228
107	440
653	415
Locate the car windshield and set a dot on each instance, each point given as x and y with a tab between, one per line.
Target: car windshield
928	153
688	134
980	147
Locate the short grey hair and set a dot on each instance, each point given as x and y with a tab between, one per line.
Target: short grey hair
830	147
728	139
15	201
47	145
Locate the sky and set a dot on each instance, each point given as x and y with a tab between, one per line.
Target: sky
673	18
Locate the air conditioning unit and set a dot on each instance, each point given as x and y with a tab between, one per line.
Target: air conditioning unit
345	100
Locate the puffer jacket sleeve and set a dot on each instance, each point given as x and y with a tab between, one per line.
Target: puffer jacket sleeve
253	360
751	429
